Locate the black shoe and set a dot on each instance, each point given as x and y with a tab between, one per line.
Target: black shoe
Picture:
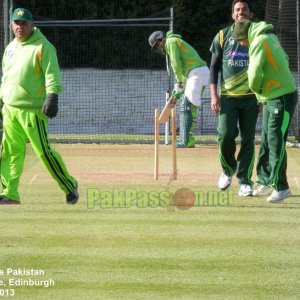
73	197
7	201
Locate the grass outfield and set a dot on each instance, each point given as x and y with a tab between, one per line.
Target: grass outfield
243	249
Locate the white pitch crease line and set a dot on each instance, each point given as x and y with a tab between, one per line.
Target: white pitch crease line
33	179
297	183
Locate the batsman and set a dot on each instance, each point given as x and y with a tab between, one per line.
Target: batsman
192	75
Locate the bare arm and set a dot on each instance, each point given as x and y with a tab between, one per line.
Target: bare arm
215	103
214	73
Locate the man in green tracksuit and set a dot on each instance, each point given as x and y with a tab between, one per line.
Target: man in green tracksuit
191	74
29	90
273	84
237	105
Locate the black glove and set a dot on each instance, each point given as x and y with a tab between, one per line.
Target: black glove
50	107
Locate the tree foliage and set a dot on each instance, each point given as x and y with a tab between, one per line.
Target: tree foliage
196	20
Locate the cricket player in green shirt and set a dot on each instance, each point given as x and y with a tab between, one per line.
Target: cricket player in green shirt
192	75
29	90
237	105
274	86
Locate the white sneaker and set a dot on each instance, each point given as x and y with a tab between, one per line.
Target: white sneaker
224	181
263	190
278	196
245	190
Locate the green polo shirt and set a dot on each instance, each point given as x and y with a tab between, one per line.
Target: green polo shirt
235	61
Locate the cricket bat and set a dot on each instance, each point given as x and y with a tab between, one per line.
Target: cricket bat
165	114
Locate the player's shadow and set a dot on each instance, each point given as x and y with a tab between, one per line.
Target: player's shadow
292	202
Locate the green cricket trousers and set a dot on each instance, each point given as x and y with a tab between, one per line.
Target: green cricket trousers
237	115
272	163
188	119
18	125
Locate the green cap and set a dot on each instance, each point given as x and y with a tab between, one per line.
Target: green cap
241	29
22	14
